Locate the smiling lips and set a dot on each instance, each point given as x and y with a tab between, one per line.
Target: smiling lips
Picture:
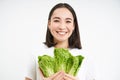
61	32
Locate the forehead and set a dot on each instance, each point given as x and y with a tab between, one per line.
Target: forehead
62	13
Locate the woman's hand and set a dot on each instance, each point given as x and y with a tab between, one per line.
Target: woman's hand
61	76
57	76
69	77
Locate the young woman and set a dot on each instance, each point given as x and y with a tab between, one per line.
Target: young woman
62	32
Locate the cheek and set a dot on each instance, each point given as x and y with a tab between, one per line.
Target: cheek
71	28
53	26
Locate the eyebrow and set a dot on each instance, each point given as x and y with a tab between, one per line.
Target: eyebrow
69	19
56	18
59	18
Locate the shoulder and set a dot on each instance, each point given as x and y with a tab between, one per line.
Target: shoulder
88	58
76	51
42	49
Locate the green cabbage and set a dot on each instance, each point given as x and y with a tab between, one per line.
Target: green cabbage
63	60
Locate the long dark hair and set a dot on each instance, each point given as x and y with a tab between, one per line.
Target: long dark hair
74	40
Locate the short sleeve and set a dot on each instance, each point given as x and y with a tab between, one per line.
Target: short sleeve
90	74
30	67
87	68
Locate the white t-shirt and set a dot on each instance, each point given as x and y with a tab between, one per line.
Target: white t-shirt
86	71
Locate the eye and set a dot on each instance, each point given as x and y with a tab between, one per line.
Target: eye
56	21
68	21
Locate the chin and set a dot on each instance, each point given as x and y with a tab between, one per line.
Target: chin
61	39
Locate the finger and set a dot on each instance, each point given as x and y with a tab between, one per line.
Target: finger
46	79
70	77
67	78
56	74
59	77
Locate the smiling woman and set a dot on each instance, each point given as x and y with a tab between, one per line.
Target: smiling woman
62	32
61	25
66	18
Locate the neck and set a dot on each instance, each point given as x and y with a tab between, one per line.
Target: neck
62	44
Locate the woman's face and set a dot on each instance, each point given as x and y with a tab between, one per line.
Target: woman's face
61	24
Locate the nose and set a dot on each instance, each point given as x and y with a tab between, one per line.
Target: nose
62	26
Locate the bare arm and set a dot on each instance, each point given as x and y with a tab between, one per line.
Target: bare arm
26	78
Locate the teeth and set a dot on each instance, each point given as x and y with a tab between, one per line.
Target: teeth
61	32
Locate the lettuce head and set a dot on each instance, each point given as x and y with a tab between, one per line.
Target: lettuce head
63	60
46	64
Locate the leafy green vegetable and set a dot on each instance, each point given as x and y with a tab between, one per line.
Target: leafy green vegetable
62	60
73	64
46	64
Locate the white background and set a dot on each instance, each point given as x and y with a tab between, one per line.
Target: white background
23	26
